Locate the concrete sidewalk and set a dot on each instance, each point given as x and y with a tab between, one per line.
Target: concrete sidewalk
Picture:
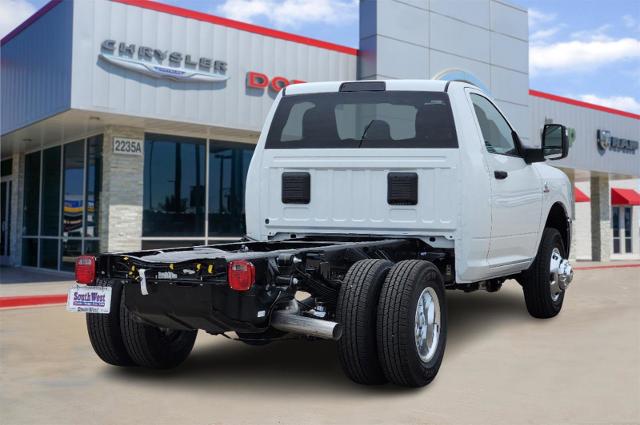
18	281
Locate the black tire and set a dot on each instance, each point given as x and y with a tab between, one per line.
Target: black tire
535	280
104	331
153	347
356	312
397	350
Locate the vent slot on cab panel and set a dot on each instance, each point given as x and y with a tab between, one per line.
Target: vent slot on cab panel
402	188
296	188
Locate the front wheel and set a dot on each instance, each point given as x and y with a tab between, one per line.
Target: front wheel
412	323
541	283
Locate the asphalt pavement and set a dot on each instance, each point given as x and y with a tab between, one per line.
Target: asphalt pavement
501	367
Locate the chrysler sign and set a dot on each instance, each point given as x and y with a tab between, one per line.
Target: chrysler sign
163	63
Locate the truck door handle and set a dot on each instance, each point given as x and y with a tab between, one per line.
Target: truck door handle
500	175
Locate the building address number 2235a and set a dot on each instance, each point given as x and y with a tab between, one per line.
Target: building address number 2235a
126	146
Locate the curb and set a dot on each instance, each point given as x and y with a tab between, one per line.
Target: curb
611	266
32	300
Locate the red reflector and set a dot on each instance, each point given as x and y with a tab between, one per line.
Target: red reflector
241	275
85	269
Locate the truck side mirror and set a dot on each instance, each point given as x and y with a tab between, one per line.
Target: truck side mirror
555	141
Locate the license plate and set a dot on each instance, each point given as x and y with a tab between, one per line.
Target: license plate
89	299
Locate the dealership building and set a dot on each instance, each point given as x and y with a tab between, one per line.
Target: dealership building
128	124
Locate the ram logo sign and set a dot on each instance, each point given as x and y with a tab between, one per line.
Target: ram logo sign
607	142
162	63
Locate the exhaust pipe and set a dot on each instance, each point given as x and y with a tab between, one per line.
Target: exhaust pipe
291	322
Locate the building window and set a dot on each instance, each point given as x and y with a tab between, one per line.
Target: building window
615	223
621	225
228	167
6	167
181	199
73	189
627	230
50	208
94	186
61	196
31	194
174	180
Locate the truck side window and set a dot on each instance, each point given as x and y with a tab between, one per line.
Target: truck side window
495	129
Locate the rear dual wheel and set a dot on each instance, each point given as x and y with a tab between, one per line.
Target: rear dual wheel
356	311
412	323
394	322
120	340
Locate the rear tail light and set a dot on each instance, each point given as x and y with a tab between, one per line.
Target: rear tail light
241	275
85	269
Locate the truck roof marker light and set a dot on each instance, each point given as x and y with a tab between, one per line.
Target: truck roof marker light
86	269
241	275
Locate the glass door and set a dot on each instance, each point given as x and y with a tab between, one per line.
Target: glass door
621	225
5	221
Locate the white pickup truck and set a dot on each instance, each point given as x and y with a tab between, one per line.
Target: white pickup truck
365	201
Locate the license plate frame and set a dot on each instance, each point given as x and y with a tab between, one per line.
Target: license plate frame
89	299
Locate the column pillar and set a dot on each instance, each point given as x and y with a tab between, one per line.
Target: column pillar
17	200
122	194
394	39
601	234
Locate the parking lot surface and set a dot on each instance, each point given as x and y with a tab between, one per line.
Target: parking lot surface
501	367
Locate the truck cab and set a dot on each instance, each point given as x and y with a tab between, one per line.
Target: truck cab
434	160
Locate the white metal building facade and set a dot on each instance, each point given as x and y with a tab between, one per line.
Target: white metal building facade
129	124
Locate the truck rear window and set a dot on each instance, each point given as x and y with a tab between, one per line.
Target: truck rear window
366	119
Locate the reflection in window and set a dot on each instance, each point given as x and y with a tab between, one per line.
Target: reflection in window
174	186
94	185
91	247
6	167
627	230
615	223
71	249
30	252
155	244
31	194
49	253
73	184
50	215
48	174
228	167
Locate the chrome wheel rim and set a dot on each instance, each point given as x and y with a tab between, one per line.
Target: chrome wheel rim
554	275
427	324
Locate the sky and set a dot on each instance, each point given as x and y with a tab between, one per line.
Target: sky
582	49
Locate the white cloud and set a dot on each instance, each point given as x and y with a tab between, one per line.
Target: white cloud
537	17
542	26
13	13
631	22
542	35
598	34
624	103
579	56
292	13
